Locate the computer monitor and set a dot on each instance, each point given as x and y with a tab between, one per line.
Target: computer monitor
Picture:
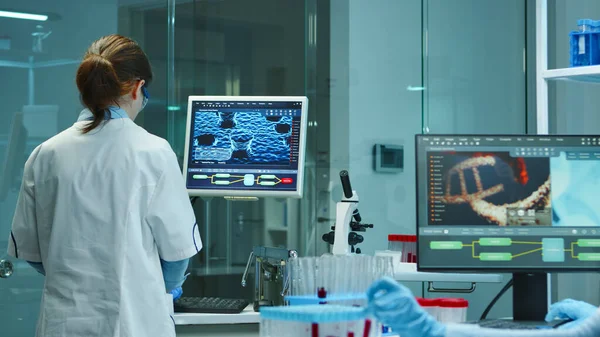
522	204
245	147
14	156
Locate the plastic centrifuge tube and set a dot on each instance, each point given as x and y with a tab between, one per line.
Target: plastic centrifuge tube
320	272
348	275
310	270
294	274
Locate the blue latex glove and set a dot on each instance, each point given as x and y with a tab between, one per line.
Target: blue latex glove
578	311
174	273
177	292
394	305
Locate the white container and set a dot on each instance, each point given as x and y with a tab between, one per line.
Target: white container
407	244
396	260
430	305
452	310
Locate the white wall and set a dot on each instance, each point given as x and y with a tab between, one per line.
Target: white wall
385	58
370	104
475	84
470	89
476	76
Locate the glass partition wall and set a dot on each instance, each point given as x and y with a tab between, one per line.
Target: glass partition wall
374	73
248	48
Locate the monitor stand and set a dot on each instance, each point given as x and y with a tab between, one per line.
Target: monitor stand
530	296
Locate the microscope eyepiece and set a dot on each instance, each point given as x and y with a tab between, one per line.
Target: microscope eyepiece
345	178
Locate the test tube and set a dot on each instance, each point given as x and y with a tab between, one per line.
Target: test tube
310	271
294	272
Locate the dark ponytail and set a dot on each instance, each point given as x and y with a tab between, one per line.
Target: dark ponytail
110	69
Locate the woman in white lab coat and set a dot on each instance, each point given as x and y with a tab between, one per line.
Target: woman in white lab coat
394	305
102	206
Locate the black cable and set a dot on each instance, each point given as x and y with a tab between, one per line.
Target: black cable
493	302
193	200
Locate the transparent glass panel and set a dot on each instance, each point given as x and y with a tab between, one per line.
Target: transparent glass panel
251	48
474	68
475	83
375	60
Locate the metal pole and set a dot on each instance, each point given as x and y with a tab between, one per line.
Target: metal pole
541	45
31	92
171	71
206	239
541	13
228	225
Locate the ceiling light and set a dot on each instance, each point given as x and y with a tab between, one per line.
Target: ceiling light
24	16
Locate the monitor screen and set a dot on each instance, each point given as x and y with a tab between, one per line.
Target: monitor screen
508	203
245	146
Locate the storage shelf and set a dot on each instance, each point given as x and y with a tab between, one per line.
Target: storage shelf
589	74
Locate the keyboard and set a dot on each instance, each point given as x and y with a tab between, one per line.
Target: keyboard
510	324
210	305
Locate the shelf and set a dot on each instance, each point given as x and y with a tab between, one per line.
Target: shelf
277	229
447	277
590	74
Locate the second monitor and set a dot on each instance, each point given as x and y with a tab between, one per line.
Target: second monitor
245	146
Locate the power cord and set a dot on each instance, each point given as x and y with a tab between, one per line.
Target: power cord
493	302
193	200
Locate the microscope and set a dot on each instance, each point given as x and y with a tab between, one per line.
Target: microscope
343	235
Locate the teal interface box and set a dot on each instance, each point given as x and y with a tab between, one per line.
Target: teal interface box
553	250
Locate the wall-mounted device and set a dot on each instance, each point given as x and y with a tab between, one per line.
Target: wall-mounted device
388	158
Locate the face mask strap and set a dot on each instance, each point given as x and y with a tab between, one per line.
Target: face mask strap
145	92
146	96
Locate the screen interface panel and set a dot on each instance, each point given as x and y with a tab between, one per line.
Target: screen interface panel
508	202
244	146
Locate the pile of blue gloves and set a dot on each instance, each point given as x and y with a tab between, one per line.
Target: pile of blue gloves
395	306
577	311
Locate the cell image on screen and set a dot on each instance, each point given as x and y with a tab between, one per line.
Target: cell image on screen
241	138
488	189
575	186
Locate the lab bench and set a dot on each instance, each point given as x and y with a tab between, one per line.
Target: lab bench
246	324
222	325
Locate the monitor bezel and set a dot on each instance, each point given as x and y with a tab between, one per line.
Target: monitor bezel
297	194
484	270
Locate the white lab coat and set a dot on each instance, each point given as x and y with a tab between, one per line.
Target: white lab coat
98	210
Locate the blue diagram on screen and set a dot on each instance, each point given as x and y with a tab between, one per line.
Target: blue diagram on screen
244	145
242	138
